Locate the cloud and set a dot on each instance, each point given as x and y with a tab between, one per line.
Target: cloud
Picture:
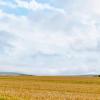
55	37
34	5
31	5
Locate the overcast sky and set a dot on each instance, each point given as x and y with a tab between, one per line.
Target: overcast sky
50	37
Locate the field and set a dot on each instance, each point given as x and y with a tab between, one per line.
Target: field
49	88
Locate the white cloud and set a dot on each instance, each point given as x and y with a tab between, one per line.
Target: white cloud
31	5
64	44
95	6
36	5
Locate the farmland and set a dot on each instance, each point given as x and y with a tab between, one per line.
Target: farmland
49	88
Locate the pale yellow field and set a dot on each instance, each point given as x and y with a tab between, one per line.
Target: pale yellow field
49	88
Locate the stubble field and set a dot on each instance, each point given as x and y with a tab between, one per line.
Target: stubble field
49	88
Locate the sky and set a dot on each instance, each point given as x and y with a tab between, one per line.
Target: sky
50	37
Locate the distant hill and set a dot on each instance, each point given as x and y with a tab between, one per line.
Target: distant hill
22	74
11	74
87	75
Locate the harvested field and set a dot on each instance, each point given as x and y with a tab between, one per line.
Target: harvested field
49	88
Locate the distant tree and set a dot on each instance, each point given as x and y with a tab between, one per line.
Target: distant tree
98	75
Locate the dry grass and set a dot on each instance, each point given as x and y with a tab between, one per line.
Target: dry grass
49	88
